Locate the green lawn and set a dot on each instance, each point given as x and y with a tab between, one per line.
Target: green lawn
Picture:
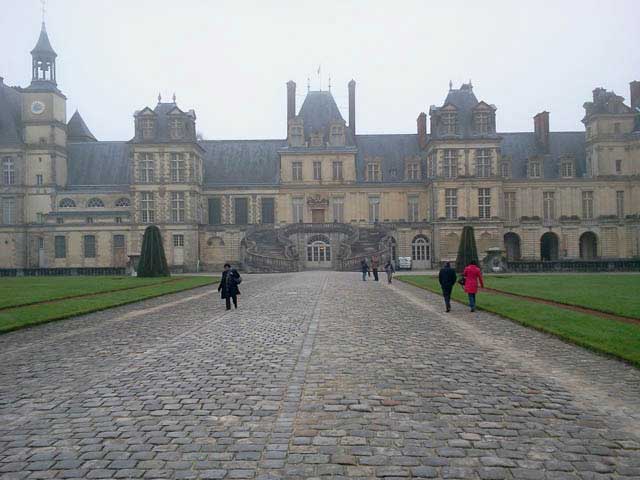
16	291
22	316
619	339
609	293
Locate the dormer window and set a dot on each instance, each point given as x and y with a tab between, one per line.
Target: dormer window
176	128
295	131
147	126
505	170
534	169
450	123
373	172
316	139
336	130
413	171
566	169
483	122
296	136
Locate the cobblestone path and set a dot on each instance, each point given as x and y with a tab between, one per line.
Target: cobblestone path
316	375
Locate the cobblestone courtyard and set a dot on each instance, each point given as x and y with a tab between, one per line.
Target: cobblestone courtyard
316	375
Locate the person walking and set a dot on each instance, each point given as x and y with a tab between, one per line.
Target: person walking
389	270
447	278
364	266
374	267
228	286
472	277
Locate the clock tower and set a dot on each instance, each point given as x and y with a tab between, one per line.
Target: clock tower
45	132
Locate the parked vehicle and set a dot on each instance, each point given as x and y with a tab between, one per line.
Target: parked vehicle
404	263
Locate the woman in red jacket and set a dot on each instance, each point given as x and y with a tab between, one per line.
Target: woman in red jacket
472	275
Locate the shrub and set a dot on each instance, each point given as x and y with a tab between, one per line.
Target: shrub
153	262
467	251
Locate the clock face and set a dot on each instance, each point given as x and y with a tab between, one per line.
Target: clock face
37	107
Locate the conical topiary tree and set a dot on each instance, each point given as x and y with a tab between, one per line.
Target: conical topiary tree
467	251
153	262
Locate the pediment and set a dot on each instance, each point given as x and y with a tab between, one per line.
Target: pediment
146	111
482	105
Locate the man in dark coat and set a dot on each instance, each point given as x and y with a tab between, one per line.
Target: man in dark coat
228	286
364	266
447	278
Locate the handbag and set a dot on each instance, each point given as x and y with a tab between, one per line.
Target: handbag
461	280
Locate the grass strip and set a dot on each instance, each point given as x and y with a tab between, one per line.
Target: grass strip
610	337
41	313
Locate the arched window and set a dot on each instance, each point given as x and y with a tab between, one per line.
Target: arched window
420	249
66	203
123	202
95	203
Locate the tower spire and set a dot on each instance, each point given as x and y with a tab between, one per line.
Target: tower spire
43	63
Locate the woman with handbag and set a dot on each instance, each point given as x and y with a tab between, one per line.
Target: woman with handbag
472	276
228	286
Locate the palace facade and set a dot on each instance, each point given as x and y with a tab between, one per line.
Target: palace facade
322	197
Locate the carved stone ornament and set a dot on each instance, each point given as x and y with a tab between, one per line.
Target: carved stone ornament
317	201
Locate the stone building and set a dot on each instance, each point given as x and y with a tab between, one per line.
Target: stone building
322	197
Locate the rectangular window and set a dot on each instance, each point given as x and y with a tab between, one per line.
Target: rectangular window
147	208
296	171
337	170
451	203
241	210
317	170
215	211
146	168
8	211
118	241
567	169
483	162
8	171
505	170
450	164
89	219
510	205
549	205
178	240
39	179
59	220
620	204
118	219
176	128
177	167
413	171
177	206
618	167
450	123
268	210
374	209
147	125
534	169
482	122
484	202
60	246
298	210
413	209
373	172
587	205
338	209
89	242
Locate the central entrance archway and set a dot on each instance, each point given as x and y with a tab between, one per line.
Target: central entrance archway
549	247
588	246
319	252
512	246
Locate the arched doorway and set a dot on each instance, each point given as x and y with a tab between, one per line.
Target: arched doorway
588	246
319	252
512	246
549	247
421	252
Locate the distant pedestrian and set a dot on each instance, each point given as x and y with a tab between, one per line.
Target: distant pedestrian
364	266
447	278
388	268
228	286
472	277
374	267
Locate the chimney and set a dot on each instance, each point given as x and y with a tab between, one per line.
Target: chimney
634	88
352	107
291	101
541	129
422	129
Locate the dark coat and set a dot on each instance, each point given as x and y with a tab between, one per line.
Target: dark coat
447	278
364	266
228	286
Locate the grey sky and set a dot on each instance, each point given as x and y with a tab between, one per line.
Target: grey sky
230	60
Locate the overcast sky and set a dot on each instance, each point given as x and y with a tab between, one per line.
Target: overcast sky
230	60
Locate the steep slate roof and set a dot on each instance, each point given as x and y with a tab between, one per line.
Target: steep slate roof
522	145
43	45
318	111
242	162
98	163
10	115
77	130
393	150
